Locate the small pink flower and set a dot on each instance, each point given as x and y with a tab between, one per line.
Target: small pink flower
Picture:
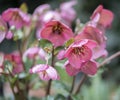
33	52
79	52
56	32
3	29
45	72
102	16
16	17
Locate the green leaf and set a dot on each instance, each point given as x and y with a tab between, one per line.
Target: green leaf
60	97
69	42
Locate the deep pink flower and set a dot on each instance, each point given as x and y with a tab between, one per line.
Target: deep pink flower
3	29
79	52
16	60
93	33
45	72
56	32
88	67
102	16
16	17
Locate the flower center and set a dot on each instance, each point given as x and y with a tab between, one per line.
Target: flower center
79	50
57	29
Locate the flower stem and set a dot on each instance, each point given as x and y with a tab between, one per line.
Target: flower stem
72	88
107	60
50	81
83	78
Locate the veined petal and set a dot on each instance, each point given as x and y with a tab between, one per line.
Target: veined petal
52	73
89	67
71	70
38	68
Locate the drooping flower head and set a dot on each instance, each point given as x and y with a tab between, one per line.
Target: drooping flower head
88	67
79	52
3	29
16	17
102	16
45	72
56	32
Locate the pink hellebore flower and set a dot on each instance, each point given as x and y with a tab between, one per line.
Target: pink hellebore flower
3	29
45	72
16	60
56	32
80	52
33	52
16	17
102	16
89	67
93	33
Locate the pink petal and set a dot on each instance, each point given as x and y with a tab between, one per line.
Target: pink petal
61	54
71	70
52	73
38	68
89	67
106	18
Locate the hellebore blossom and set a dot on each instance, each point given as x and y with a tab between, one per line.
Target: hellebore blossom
3	29
16	17
45	72
33	52
88	67
102	16
56	32
80	52
16	60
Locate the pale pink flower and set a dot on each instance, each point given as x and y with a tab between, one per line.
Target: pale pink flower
45	72
16	17
79	52
67	12
33	52
3	29
102	16
56	32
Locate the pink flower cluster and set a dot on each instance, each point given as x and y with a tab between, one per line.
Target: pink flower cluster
54	25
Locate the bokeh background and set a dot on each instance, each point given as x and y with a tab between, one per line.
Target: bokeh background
104	86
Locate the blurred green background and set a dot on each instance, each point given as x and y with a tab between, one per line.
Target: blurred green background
107	83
